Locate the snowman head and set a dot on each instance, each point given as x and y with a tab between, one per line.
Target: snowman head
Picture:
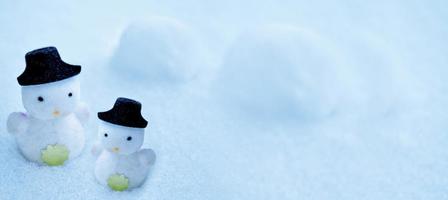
122	128
51	100
50	88
120	139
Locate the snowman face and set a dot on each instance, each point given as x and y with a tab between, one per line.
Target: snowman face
120	139
51	100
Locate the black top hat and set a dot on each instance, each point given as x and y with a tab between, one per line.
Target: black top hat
126	112
45	66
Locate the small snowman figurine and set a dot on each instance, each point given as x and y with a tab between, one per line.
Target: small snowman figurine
51	130
121	164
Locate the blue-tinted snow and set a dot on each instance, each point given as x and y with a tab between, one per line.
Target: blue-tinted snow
247	99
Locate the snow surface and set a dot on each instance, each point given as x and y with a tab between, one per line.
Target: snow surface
288	99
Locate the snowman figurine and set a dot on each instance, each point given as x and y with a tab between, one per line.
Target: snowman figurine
121	164
51	130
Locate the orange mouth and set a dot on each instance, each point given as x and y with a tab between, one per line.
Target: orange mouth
56	113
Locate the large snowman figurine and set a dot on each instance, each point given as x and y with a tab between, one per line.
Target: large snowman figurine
51	130
121	163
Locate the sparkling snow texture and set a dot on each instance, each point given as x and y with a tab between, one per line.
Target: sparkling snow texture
247	99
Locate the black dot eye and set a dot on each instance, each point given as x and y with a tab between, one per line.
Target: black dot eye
70	94
105	135
41	99
129	138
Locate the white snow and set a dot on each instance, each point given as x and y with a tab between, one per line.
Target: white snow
247	99
279	72
160	51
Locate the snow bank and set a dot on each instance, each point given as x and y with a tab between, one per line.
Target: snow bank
159	51
384	80
279	72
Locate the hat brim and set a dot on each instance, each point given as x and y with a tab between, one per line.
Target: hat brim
64	71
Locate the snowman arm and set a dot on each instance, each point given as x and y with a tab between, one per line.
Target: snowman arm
17	122
147	157
82	113
97	149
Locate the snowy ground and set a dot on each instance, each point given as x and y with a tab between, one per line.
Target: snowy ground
247	100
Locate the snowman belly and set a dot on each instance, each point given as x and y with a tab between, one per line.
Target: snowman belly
32	142
128	167
66	132
105	167
71	134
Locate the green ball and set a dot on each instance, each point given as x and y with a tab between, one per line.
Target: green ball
55	155
118	182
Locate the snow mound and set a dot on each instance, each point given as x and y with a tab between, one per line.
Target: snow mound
159	51
385	79
279	72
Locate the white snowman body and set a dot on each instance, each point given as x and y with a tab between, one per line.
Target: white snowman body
120	153
54	116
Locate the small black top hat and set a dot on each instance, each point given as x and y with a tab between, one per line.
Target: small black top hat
45	66
126	112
